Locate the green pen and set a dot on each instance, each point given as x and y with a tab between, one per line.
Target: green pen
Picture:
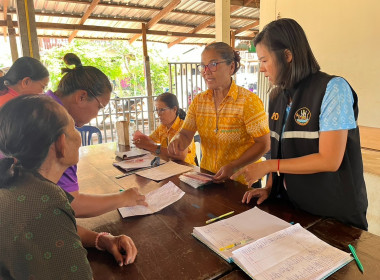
353	252
221	216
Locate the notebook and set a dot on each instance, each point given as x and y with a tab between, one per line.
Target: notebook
266	247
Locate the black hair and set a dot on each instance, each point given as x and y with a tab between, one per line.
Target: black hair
29	124
286	34
87	78
171	101
23	67
226	52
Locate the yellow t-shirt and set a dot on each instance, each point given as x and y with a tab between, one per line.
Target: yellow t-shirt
228	132
163	136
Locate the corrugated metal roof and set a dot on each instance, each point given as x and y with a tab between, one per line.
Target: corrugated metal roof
113	19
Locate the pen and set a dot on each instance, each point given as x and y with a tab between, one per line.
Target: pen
353	252
221	216
234	244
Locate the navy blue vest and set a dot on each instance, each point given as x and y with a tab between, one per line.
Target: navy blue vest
342	194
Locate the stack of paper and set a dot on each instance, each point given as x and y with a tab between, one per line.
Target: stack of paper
196	179
157	200
135	163
132	153
164	171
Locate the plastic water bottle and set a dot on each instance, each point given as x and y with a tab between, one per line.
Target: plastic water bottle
132	130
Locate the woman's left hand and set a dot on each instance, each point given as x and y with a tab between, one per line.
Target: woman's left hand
224	173
121	247
252	172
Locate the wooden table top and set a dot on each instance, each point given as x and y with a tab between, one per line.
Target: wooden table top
166	247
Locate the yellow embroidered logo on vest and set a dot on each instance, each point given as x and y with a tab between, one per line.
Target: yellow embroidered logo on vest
302	116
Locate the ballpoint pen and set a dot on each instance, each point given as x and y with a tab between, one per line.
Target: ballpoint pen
217	218
234	244
353	252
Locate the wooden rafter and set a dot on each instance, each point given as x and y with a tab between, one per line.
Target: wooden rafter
5	7
90	9
200	27
241	3
61	26
158	17
152	8
247	27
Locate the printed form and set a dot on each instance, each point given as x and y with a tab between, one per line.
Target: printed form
157	200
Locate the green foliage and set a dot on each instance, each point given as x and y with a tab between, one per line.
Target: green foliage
121	62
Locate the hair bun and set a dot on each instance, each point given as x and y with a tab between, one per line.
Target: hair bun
72	59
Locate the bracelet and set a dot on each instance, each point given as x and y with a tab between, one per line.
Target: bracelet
97	239
278	167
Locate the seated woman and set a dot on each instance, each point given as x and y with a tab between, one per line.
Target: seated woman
231	120
27	75
83	91
38	231
171	117
315	145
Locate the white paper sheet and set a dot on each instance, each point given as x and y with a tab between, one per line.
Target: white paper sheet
132	153
157	200
164	171
135	163
292	253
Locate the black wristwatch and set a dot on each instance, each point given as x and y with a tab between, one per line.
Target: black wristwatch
158	149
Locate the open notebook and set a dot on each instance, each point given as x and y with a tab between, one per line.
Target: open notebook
266	247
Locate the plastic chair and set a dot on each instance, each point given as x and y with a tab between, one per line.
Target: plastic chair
86	132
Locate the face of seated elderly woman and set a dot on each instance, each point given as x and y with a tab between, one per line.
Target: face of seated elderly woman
167	115
219	76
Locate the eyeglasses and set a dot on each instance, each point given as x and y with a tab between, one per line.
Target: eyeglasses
101	106
212	66
43	86
161	110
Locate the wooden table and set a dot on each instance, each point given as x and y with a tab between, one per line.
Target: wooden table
166	247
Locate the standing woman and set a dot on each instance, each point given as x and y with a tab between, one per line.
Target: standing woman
83	91
231	120
171	118
39	238
315	144
27	75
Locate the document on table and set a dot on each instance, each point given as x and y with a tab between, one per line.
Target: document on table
248	226
164	171
132	153
292	253
157	200
135	163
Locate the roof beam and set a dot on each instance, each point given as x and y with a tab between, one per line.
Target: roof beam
5	7
200	27
152	8
157	18
89	11
241	3
61	26
247	27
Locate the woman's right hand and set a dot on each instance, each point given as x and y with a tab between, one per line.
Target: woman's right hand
262	194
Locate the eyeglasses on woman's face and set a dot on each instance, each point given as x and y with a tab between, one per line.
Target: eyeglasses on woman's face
161	110
212	66
101	106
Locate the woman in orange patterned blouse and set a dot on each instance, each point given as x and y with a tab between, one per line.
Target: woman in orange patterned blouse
231	120
171	118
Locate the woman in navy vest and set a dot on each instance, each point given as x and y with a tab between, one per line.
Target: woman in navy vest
316	159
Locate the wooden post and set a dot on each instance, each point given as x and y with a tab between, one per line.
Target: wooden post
27	28
148	80
232	39
222	21
12	38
